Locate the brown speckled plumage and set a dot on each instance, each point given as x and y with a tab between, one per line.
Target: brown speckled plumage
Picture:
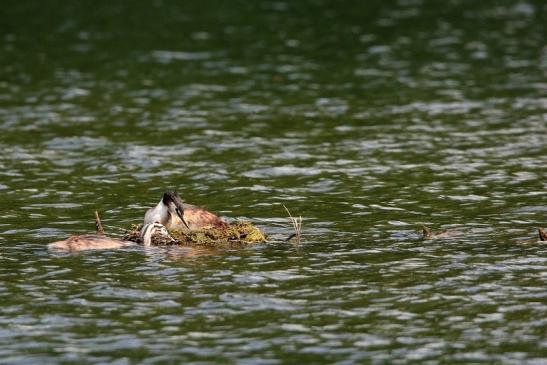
198	218
428	234
89	242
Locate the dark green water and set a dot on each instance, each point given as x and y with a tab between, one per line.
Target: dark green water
368	118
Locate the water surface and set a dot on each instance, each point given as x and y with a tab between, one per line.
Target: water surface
366	118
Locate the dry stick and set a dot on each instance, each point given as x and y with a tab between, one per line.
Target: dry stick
98	224
297	225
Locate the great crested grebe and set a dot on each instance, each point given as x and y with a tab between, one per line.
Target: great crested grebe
153	232
428	234
542	234
99	241
173	213
89	242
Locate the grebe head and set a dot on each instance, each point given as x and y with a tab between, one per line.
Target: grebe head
169	211
153	229
173	202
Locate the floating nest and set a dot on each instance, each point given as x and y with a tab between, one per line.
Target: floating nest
238	234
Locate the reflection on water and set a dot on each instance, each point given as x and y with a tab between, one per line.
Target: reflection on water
367	119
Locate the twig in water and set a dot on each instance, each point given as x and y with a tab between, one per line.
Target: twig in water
297	225
98	224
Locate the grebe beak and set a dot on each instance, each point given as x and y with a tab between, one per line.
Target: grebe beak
180	214
173	197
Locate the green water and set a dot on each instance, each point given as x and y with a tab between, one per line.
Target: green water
368	118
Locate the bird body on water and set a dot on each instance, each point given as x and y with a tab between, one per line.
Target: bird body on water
149	234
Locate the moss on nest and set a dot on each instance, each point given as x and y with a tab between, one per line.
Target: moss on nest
133	234
238	234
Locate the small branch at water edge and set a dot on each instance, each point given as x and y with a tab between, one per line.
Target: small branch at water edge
98	224
297	226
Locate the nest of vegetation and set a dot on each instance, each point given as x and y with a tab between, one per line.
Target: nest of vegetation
238	234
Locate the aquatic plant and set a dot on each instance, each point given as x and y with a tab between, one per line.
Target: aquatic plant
297	226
